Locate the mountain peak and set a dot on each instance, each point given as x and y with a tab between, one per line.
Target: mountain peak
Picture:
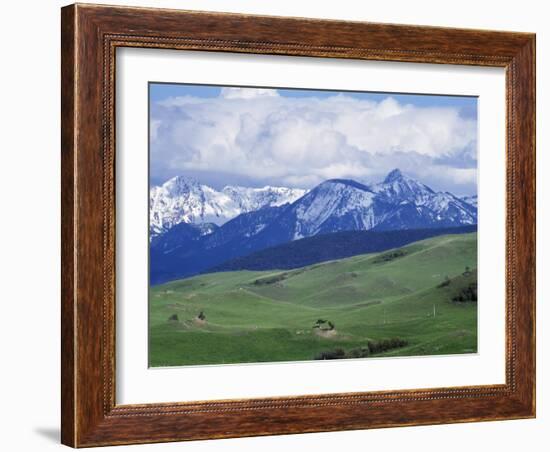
184	199
349	182
181	183
393	175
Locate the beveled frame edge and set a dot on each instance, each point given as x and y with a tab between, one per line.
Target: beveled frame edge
90	35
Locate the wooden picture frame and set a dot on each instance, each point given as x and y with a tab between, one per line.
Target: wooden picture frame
90	36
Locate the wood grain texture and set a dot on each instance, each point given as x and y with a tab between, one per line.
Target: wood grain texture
90	36
68	147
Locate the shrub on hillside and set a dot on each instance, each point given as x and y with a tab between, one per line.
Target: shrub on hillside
468	293
331	354
324	325
361	352
270	279
390	256
386	344
372	348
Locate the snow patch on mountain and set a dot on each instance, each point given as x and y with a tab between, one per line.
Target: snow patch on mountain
398	202
398	188
437	207
183	199
334	199
250	199
472	200
269	216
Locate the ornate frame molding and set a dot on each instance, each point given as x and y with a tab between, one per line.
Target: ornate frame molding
90	37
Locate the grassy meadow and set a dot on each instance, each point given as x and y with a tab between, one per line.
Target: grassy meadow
269	316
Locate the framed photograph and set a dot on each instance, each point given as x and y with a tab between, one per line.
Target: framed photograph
282	225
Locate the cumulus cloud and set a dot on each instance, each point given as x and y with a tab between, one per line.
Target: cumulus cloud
263	137
247	93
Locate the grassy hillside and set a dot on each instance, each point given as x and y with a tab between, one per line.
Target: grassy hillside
335	245
258	316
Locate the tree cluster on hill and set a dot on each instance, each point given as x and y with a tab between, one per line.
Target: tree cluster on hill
338	353
390	256
270	279
446	281
336	245
372	348
324	325
468	293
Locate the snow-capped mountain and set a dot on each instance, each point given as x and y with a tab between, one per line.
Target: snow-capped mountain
339	200
334	205
249	199
398	202
285	215
183	199
397	188
417	205
445	207
472	200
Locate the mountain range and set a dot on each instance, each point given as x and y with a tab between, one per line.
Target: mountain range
182	199
470	200
195	228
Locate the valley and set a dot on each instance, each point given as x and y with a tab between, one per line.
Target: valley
398	302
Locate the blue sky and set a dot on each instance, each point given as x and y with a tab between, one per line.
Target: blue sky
467	105
294	137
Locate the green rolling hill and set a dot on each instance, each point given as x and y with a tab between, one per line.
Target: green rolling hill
263	316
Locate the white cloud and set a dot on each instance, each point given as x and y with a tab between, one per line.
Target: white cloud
154	125
257	134
247	93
